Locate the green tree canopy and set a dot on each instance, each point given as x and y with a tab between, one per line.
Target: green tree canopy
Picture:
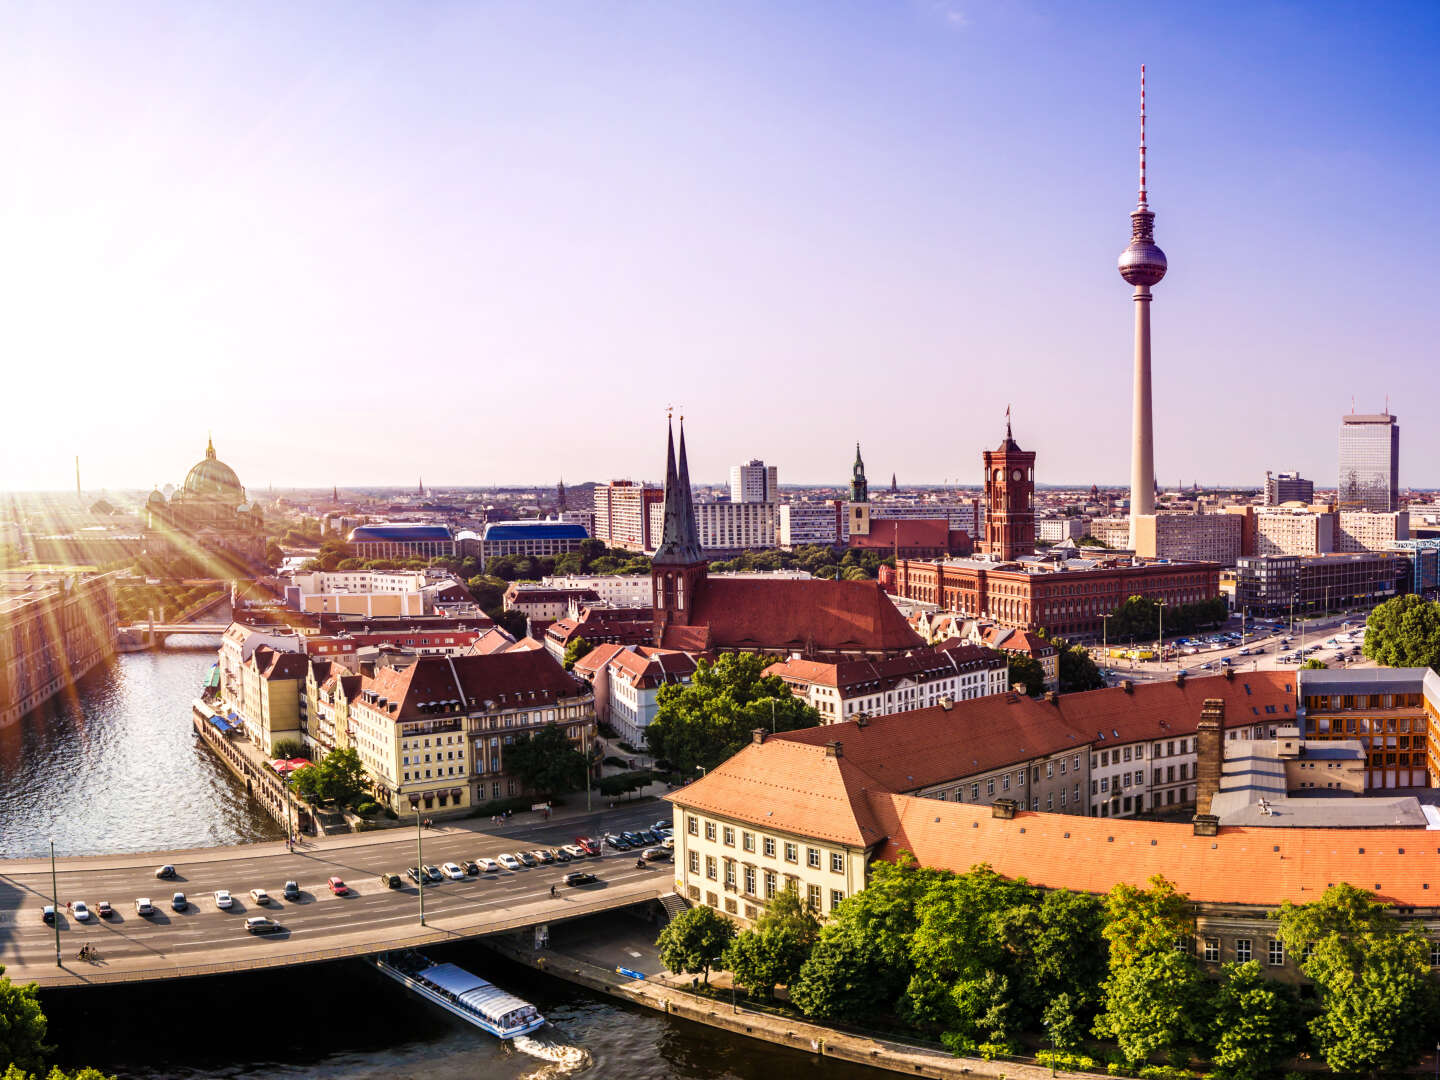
1144	922
695	940
704	722
1153	1006
1078	671
1027	671
1404	632
339	778
1253	1025
546	762
577	649
22	1025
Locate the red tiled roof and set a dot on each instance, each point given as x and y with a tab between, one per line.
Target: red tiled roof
790	787
931	533
918	664
509	679
648	668
589	665
828	616
1240	865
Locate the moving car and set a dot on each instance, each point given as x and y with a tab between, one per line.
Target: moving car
338	887
166	871
292	890
488	866
49	913
656	854
143	906
259	924
454	871
104	910
580	877
509	862
390	881
178	902
223	899
260	896
80	911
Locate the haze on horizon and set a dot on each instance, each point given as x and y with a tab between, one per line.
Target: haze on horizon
490	242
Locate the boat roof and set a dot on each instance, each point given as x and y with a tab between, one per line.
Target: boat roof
473	990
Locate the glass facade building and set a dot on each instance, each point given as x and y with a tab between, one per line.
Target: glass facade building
1369	463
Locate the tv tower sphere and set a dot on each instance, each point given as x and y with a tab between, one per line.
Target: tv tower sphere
1142	263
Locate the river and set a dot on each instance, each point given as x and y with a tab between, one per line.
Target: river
117	768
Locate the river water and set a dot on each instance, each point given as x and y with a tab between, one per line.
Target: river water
117	769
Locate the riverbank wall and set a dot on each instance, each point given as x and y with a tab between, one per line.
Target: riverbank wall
243	759
885	1054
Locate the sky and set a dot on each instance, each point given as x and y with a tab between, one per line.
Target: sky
490	243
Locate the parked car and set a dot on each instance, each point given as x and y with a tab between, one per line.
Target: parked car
433	876
223	899
526	858
292	890
338	886
543	856
617	841
143	907
587	845
509	862
80	911
580	877
413	873
561	855
663	823
575	851
454	871
104	910
488	866
259	924
166	871
390	881
471	866
178	902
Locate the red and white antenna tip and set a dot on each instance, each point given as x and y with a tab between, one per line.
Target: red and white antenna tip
1143	200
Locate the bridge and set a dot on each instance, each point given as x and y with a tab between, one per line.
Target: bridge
320	926
213	629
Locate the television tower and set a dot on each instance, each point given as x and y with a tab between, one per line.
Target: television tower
1142	264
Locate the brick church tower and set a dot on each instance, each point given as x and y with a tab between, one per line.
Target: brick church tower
1009	499
678	568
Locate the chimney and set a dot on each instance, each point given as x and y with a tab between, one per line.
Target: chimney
1003	808
947	703
1127	685
861	719
758	734
834	749
1230	674
1206	825
1180	678
1052	697
1018	688
367	668
1209	753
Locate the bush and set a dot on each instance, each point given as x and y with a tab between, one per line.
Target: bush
1064	1059
288	748
367	809
618	763
626	782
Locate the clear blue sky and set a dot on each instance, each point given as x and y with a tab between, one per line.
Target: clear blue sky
490	242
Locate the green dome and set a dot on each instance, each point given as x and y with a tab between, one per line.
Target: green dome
214	479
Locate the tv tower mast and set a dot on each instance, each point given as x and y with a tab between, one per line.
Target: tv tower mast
1142	264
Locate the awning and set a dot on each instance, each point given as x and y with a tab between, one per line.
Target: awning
221	723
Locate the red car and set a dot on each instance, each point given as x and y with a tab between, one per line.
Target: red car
338	887
590	846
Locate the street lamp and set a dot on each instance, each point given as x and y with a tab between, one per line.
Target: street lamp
414	797
55	899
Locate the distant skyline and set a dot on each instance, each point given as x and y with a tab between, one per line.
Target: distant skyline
489	243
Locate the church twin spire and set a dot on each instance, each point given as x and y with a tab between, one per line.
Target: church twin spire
679	539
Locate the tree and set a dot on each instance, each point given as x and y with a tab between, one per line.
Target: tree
14	1072
274	554
1068	954
1371	974
695	940
1253	1023
774	950
22	1025
546	762
287	748
577	649
1404	632
841	979
1152	1006
1063	1024
704	722
1078	671
1314	665
338	778
1026	670
1144	922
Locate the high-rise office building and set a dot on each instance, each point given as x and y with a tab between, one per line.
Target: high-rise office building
1369	463
1281	488
754	482
1142	264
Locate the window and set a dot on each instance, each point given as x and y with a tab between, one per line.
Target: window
812	897
792	852
990	787
1242	949
730	873
836	895
812	857
1212	950
747	841
710	867
1434	954
694	862
1276	953
837	862
709	830
769	884
769	846
749	881
728	835
1049	768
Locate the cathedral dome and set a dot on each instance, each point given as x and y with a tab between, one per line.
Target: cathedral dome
212	478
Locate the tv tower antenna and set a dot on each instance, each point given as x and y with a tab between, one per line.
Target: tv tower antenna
1143	200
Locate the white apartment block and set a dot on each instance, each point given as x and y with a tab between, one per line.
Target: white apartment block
1190	537
1281	531
1056	530
961	515
1111	531
810	523
871	688
754	482
359	592
1365	530
615	590
623	515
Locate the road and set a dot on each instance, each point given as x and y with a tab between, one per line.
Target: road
1316	631
203	938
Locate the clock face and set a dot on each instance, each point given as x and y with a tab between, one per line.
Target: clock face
1015	475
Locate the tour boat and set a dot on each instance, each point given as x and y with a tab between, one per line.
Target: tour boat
468	996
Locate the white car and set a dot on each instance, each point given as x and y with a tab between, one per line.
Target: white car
80	911
143	906
454	871
488	866
509	862
223	899
260	896
575	851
